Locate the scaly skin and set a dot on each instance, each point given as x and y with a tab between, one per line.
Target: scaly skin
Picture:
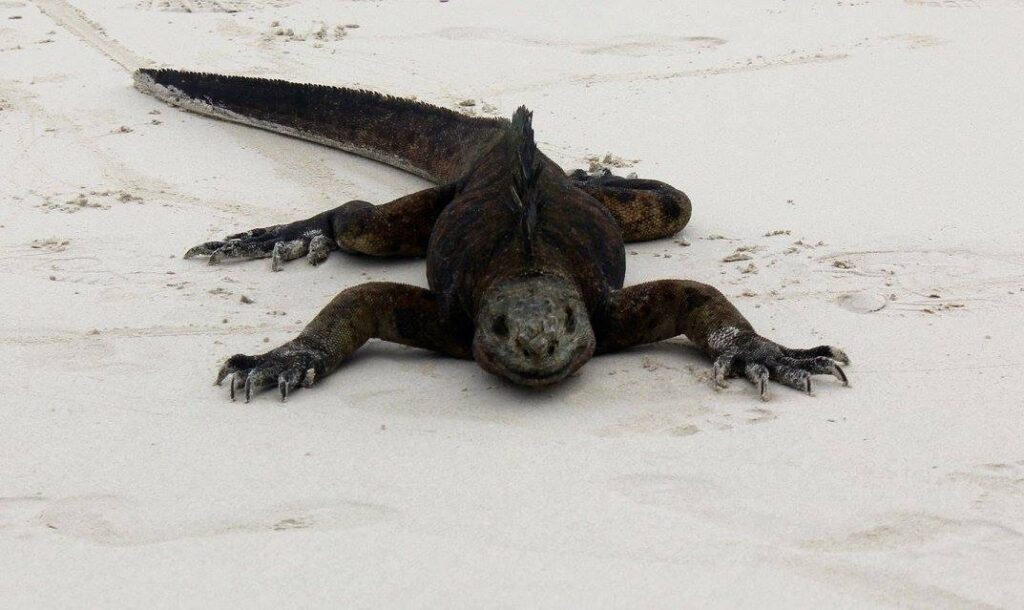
525	262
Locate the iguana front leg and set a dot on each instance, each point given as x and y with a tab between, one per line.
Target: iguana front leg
399	228
393	312
659	310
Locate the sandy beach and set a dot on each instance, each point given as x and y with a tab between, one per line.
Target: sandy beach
863	156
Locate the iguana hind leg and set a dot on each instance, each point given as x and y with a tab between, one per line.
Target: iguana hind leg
663	309
393	312
399	228
644	209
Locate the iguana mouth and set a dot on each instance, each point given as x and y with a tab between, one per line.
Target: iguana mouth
534	378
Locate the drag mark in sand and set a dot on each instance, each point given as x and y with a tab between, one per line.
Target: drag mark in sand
72	20
110	520
750	65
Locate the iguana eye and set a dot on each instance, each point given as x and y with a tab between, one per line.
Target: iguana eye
500	326
570	320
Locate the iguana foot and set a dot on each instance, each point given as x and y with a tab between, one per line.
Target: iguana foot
643	209
280	243
288	367
760	360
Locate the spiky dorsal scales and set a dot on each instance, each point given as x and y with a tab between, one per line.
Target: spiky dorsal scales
526	170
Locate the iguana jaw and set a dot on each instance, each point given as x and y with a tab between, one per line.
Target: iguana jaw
533	330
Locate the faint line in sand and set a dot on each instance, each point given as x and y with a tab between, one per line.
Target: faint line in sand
145	333
75	22
753	66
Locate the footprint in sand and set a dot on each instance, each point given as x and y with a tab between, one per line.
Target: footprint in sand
996	483
666	491
863	302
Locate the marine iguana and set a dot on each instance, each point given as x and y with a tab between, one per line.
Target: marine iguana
525	262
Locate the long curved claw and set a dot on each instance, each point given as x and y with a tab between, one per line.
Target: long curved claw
282	388
237	382
288	381
758	375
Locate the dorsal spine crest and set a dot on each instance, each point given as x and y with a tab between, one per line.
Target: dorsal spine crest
526	171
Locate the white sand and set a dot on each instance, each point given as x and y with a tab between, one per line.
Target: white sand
890	131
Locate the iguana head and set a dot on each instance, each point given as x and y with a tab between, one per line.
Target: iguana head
533	330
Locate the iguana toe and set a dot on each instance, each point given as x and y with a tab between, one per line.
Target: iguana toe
791	376
758	375
280	243
319	249
722	369
204	249
287	251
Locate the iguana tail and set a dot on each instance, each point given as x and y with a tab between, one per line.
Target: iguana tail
429	141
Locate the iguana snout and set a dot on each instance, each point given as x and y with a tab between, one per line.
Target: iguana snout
533	330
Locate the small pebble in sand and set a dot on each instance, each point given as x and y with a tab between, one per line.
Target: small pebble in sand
245	299
751	268
843	264
467	103
736	257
